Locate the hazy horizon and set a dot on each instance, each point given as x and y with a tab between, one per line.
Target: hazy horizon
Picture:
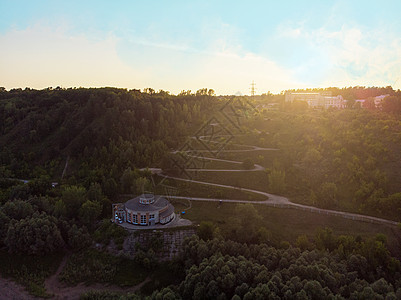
200	44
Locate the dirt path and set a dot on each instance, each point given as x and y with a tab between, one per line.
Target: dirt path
12	290
71	293
52	283
59	290
271	199
282	202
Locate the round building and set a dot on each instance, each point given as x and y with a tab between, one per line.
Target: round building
146	209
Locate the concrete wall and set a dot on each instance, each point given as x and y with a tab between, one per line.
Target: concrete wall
171	242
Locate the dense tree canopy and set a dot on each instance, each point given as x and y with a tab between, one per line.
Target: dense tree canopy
38	234
94	142
220	269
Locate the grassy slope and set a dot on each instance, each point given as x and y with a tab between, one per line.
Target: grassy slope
288	224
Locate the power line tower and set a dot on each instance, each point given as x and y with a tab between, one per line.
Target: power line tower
253	89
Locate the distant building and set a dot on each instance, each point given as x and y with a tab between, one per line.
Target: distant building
317	100
146	209
378	100
335	102
311	98
360	101
268	106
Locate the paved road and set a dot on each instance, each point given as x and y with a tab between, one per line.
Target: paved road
283	202
256	167
271	199
255	148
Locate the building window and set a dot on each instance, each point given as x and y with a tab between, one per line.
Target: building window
151	216
135	219
143	219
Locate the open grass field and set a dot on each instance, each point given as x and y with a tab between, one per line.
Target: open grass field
200	190
219	165
288	224
263	157
252	180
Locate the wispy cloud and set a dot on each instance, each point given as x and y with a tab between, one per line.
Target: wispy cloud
222	62
40	57
215	53
349	55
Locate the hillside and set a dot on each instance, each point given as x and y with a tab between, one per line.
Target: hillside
341	159
101	139
101	130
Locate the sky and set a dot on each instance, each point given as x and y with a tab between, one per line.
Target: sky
188	45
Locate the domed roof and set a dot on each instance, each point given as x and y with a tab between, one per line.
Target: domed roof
147	198
139	203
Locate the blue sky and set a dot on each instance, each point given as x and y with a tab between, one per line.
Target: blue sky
188	45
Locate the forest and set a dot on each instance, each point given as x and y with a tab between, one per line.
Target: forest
67	154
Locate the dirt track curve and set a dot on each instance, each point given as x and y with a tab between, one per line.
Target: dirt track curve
59	290
271	199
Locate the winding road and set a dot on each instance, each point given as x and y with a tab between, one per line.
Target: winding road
58	290
271	199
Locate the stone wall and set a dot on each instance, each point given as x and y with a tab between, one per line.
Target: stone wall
165	243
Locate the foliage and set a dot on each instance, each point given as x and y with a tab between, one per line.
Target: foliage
73	198
4	221
102	131
38	234
206	230
146	259
285	224
100	295
303	243
108	231
40	225
30	271
89	266
245	223
60	209
89	212
95	266
277	181
217	268
17	209
345	159
78	238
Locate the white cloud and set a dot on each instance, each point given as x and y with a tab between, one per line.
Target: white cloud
40	57
234	71
365	57
350	55
221	63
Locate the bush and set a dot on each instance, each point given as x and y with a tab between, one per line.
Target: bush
38	234
108	231
206	230
89	266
